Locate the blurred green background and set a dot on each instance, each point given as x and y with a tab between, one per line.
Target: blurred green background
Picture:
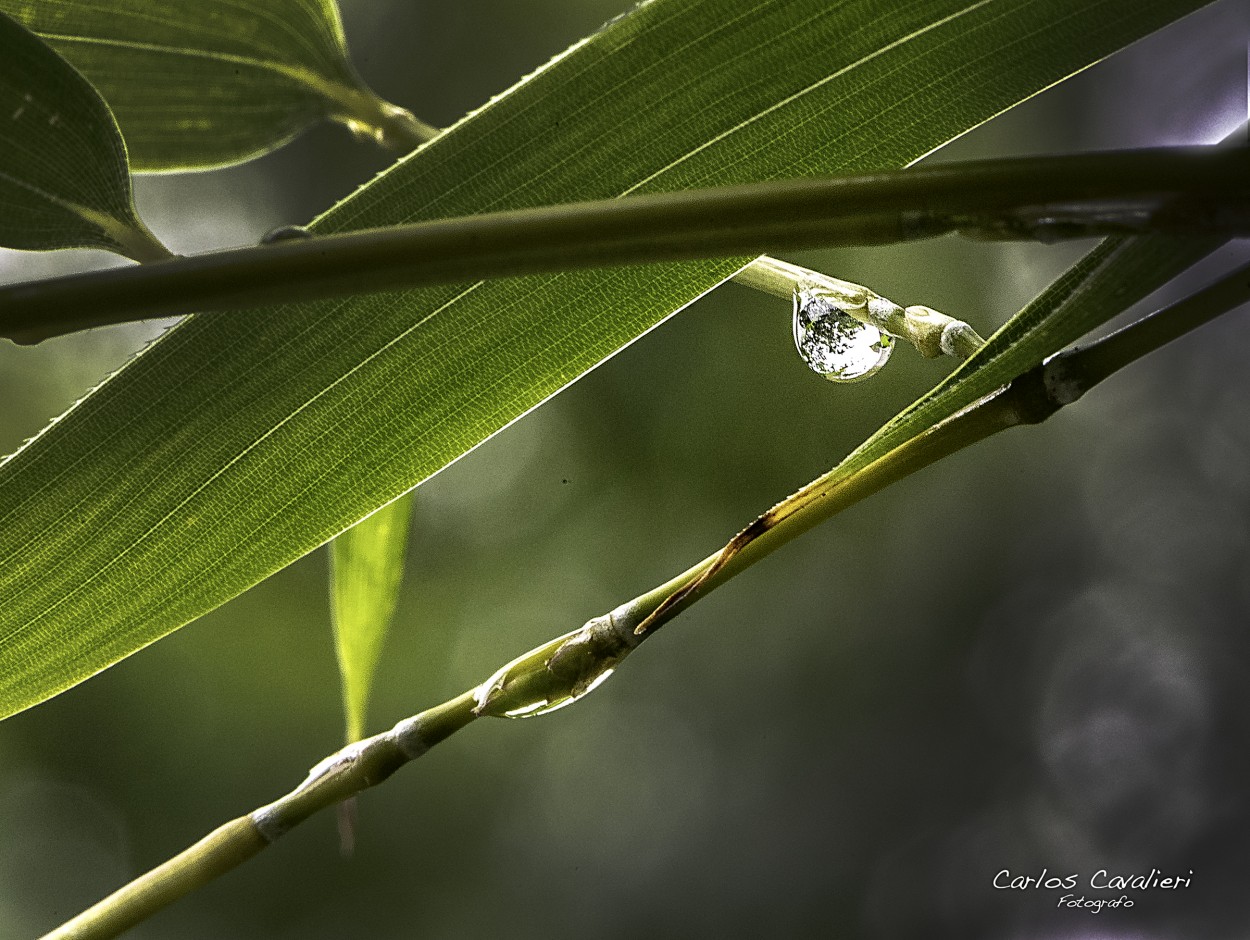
1033	655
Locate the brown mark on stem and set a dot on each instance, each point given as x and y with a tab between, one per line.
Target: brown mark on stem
757	527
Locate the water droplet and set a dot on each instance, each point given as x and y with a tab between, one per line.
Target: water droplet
544	706
285	233
832	342
557	674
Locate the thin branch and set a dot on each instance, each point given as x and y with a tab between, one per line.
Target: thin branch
565	669
1066	196
932	333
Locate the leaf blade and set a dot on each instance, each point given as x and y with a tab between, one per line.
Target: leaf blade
64	176
366	571
198	85
299	425
1114	275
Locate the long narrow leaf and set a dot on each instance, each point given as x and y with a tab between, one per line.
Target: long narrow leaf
1112	277
237	444
1109	279
1103	284
366	570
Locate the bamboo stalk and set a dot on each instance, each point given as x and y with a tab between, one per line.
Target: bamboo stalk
1185	190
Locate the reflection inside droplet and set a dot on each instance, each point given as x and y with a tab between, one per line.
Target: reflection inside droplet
832	342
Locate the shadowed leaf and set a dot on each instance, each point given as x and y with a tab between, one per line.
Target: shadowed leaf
211	82
64	181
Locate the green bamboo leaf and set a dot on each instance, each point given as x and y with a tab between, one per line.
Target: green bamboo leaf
64	180
236	444
1116	274
214	82
366	569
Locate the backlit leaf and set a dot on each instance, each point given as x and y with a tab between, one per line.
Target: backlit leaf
236	443
1112	277
366	570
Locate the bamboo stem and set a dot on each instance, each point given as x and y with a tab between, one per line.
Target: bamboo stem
373	118
1202	189
350	770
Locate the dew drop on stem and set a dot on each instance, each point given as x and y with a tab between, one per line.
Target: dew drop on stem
285	233
545	706
832	342
558	673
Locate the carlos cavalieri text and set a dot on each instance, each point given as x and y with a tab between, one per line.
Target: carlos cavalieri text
1100	880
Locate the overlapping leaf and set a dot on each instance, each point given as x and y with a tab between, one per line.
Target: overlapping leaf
236	444
209	82
64	180
1114	276
366	569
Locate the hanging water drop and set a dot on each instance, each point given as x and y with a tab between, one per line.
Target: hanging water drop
832	342
545	705
286	233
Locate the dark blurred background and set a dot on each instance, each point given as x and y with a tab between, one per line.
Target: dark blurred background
1032	656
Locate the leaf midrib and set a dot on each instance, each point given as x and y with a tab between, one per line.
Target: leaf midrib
101	220
317	83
